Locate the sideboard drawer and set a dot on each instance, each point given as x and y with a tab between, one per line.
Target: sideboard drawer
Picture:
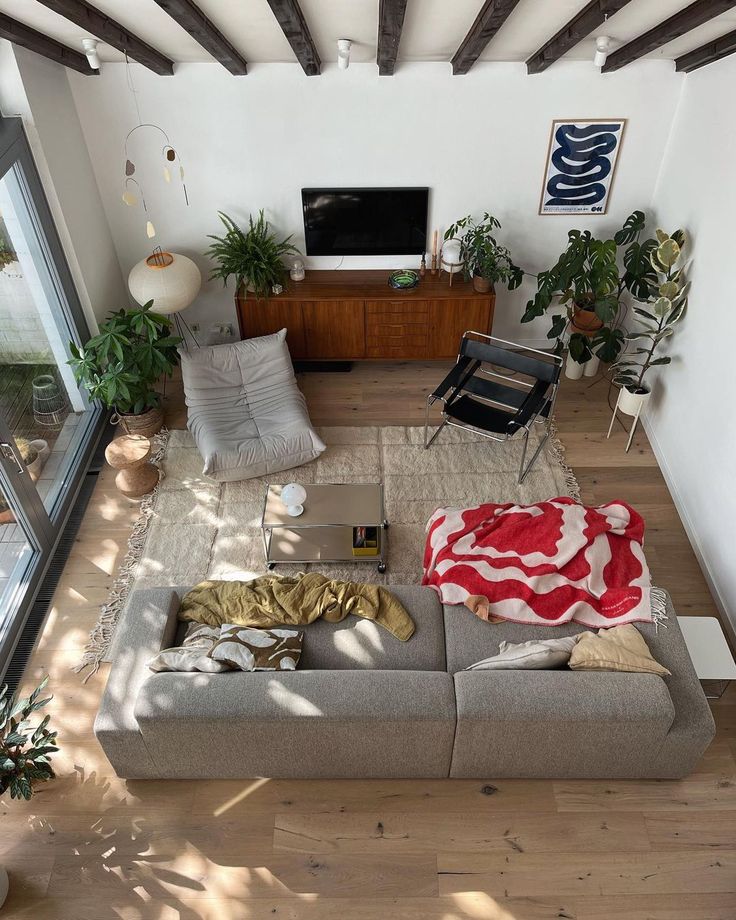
397	306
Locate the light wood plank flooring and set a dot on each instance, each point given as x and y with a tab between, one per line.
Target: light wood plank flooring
91	846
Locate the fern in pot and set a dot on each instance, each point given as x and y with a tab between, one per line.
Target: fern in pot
122	364
656	318
253	256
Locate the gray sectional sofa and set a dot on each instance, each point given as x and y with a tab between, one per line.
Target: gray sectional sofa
363	704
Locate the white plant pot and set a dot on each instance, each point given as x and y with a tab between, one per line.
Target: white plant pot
573	370
632	403
590	368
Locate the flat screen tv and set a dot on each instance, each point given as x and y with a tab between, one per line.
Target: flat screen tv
365	221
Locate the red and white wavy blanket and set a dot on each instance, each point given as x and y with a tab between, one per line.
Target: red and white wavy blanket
543	564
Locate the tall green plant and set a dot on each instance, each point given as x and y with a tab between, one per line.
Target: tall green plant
122	364
25	751
7	253
481	253
666	301
253	256
589	275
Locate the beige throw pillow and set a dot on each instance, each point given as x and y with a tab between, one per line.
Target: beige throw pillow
191	655
621	648
249	649
534	655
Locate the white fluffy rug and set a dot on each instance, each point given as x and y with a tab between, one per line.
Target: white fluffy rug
192	528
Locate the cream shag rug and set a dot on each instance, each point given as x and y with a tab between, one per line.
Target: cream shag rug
192	528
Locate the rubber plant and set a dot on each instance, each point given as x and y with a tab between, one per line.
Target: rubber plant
481	254
25	750
121	365
590	279
665	307
253	256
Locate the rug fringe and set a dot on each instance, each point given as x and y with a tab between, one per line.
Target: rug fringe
557	451
103	630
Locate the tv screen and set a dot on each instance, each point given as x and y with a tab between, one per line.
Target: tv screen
365	221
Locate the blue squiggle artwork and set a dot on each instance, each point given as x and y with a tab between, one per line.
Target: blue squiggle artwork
581	164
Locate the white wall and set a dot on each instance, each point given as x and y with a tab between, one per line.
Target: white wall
479	141
692	421
38	91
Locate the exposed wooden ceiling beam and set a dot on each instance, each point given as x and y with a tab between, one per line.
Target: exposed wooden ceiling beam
23	35
707	54
390	23
294	25
202	30
96	23
492	16
573	32
680	24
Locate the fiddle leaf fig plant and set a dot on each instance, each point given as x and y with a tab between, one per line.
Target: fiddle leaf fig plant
666	303
254	256
588	279
25	750
480	252
121	365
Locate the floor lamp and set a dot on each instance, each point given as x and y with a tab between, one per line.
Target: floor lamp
171	281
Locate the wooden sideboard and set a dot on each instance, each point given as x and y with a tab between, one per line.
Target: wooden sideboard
355	315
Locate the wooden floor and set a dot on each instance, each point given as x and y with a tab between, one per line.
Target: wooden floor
16	401
91	847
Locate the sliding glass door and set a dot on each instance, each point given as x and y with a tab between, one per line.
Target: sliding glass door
48	428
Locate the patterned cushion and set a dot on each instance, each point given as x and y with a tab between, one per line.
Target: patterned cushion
249	649
191	655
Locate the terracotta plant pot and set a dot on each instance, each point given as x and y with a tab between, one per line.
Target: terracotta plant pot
147	423
585	321
482	285
7	517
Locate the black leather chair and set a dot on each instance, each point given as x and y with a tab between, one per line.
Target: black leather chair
498	389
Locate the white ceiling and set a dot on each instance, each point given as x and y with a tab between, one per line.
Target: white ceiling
433	29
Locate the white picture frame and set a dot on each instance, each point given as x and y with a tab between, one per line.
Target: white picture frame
582	155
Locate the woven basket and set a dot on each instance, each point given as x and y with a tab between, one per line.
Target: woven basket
147	423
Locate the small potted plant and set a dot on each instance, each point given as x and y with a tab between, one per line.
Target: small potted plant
666	306
588	282
7	254
254	256
122	364
484	260
29	452
25	751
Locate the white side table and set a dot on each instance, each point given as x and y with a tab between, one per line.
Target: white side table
709	651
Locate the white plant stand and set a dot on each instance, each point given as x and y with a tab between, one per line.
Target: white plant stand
709	651
630	404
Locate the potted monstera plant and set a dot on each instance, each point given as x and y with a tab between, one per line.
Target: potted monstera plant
122	364
484	259
656	318
589	281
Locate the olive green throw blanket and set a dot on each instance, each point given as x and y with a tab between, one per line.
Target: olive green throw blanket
272	600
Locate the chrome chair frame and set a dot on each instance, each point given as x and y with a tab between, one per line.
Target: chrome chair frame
542	411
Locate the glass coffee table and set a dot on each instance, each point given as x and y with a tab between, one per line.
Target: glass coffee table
340	523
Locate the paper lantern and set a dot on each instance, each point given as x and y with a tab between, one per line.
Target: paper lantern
170	280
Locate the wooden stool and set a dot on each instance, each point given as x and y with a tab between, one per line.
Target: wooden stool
129	455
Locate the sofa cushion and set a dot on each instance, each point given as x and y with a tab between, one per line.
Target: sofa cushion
299	723
559	723
245	411
621	648
246	649
533	655
357	644
469	639
191	654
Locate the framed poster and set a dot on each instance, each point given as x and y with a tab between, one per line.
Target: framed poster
580	165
